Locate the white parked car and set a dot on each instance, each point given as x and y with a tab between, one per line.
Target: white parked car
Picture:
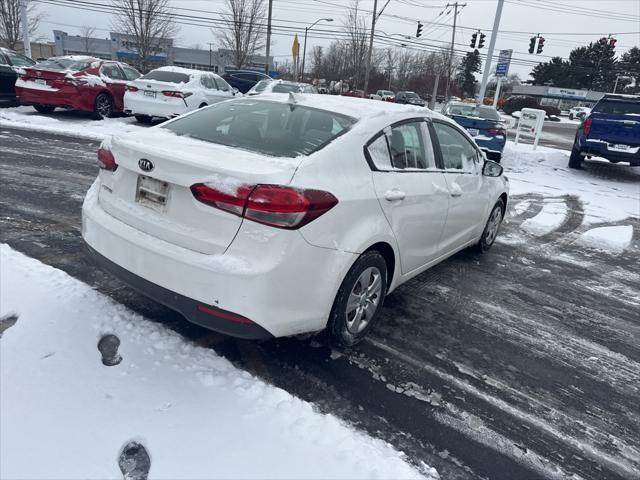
281	86
385	95
579	113
167	92
277	215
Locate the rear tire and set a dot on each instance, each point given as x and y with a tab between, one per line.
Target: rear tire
44	108
143	118
359	300
492	227
102	106
575	159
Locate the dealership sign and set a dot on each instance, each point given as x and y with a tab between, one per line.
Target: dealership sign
504	60
531	122
567	92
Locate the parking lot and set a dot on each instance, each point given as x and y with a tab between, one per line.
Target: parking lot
523	363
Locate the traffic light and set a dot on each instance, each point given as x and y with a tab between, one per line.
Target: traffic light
612	42
474	40
419	30
532	44
540	45
481	41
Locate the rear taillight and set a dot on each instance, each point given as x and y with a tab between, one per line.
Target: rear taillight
274	205
131	88
586	126
497	131
171	93
106	160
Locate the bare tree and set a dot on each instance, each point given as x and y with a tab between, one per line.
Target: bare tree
86	33
244	32
317	60
356	43
10	22
150	24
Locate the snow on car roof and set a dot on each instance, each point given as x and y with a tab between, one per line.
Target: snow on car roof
351	106
79	58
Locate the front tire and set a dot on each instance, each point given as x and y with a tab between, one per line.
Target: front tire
492	227
359	300
575	159
102	106
571	116
44	108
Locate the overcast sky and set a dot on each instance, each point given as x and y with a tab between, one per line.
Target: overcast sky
565	24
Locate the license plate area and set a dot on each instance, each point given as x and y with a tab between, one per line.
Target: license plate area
152	193
619	147
473	131
150	93
40	81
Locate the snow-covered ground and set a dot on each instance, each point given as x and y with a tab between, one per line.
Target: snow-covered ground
65	415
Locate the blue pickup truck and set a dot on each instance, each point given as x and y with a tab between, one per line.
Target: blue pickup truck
611	131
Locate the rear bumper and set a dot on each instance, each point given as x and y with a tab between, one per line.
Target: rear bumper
167	107
284	285
601	149
207	316
68	97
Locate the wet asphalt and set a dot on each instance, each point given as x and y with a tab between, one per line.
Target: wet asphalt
522	363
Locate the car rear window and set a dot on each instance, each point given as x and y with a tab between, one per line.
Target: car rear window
64	64
617	107
286	88
165	76
271	128
488	113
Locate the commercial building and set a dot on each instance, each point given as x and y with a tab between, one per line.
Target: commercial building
563	98
123	47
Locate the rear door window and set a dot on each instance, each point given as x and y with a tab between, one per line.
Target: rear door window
403	147
272	128
111	70
221	84
130	73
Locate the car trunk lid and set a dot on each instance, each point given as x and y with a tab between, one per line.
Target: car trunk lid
615	129
150	189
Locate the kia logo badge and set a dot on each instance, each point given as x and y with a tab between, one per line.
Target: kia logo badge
145	165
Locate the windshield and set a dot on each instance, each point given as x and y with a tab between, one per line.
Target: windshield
62	63
385	92
286	88
470	110
617	107
276	129
411	95
167	76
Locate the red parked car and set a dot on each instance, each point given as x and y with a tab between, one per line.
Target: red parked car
76	82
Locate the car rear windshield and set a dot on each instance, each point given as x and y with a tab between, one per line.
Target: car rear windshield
165	76
411	95
286	88
64	64
275	129
617	107
470	110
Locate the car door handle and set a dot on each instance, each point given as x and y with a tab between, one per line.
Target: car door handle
394	195
455	190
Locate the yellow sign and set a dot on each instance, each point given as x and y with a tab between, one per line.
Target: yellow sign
295	48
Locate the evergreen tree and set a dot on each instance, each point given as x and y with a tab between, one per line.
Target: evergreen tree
465	77
629	66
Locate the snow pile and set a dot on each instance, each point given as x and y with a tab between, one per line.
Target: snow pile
550	218
67	123
66	415
546	171
609	239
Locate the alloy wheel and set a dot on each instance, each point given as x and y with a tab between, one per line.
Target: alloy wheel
363	300
103	106
494	225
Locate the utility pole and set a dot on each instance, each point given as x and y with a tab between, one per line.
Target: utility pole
370	52
210	60
492	44
453	39
495	95
266	61
25	28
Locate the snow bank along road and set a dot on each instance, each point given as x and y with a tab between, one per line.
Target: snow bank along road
520	364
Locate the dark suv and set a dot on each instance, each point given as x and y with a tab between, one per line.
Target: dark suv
243	80
611	131
10	65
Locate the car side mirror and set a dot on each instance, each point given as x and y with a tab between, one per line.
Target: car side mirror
492	169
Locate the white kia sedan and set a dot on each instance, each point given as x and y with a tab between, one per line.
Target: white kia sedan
276	215
167	92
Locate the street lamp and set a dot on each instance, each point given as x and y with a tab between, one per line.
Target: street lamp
304	48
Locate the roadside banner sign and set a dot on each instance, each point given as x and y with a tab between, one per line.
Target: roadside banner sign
504	61
531	122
